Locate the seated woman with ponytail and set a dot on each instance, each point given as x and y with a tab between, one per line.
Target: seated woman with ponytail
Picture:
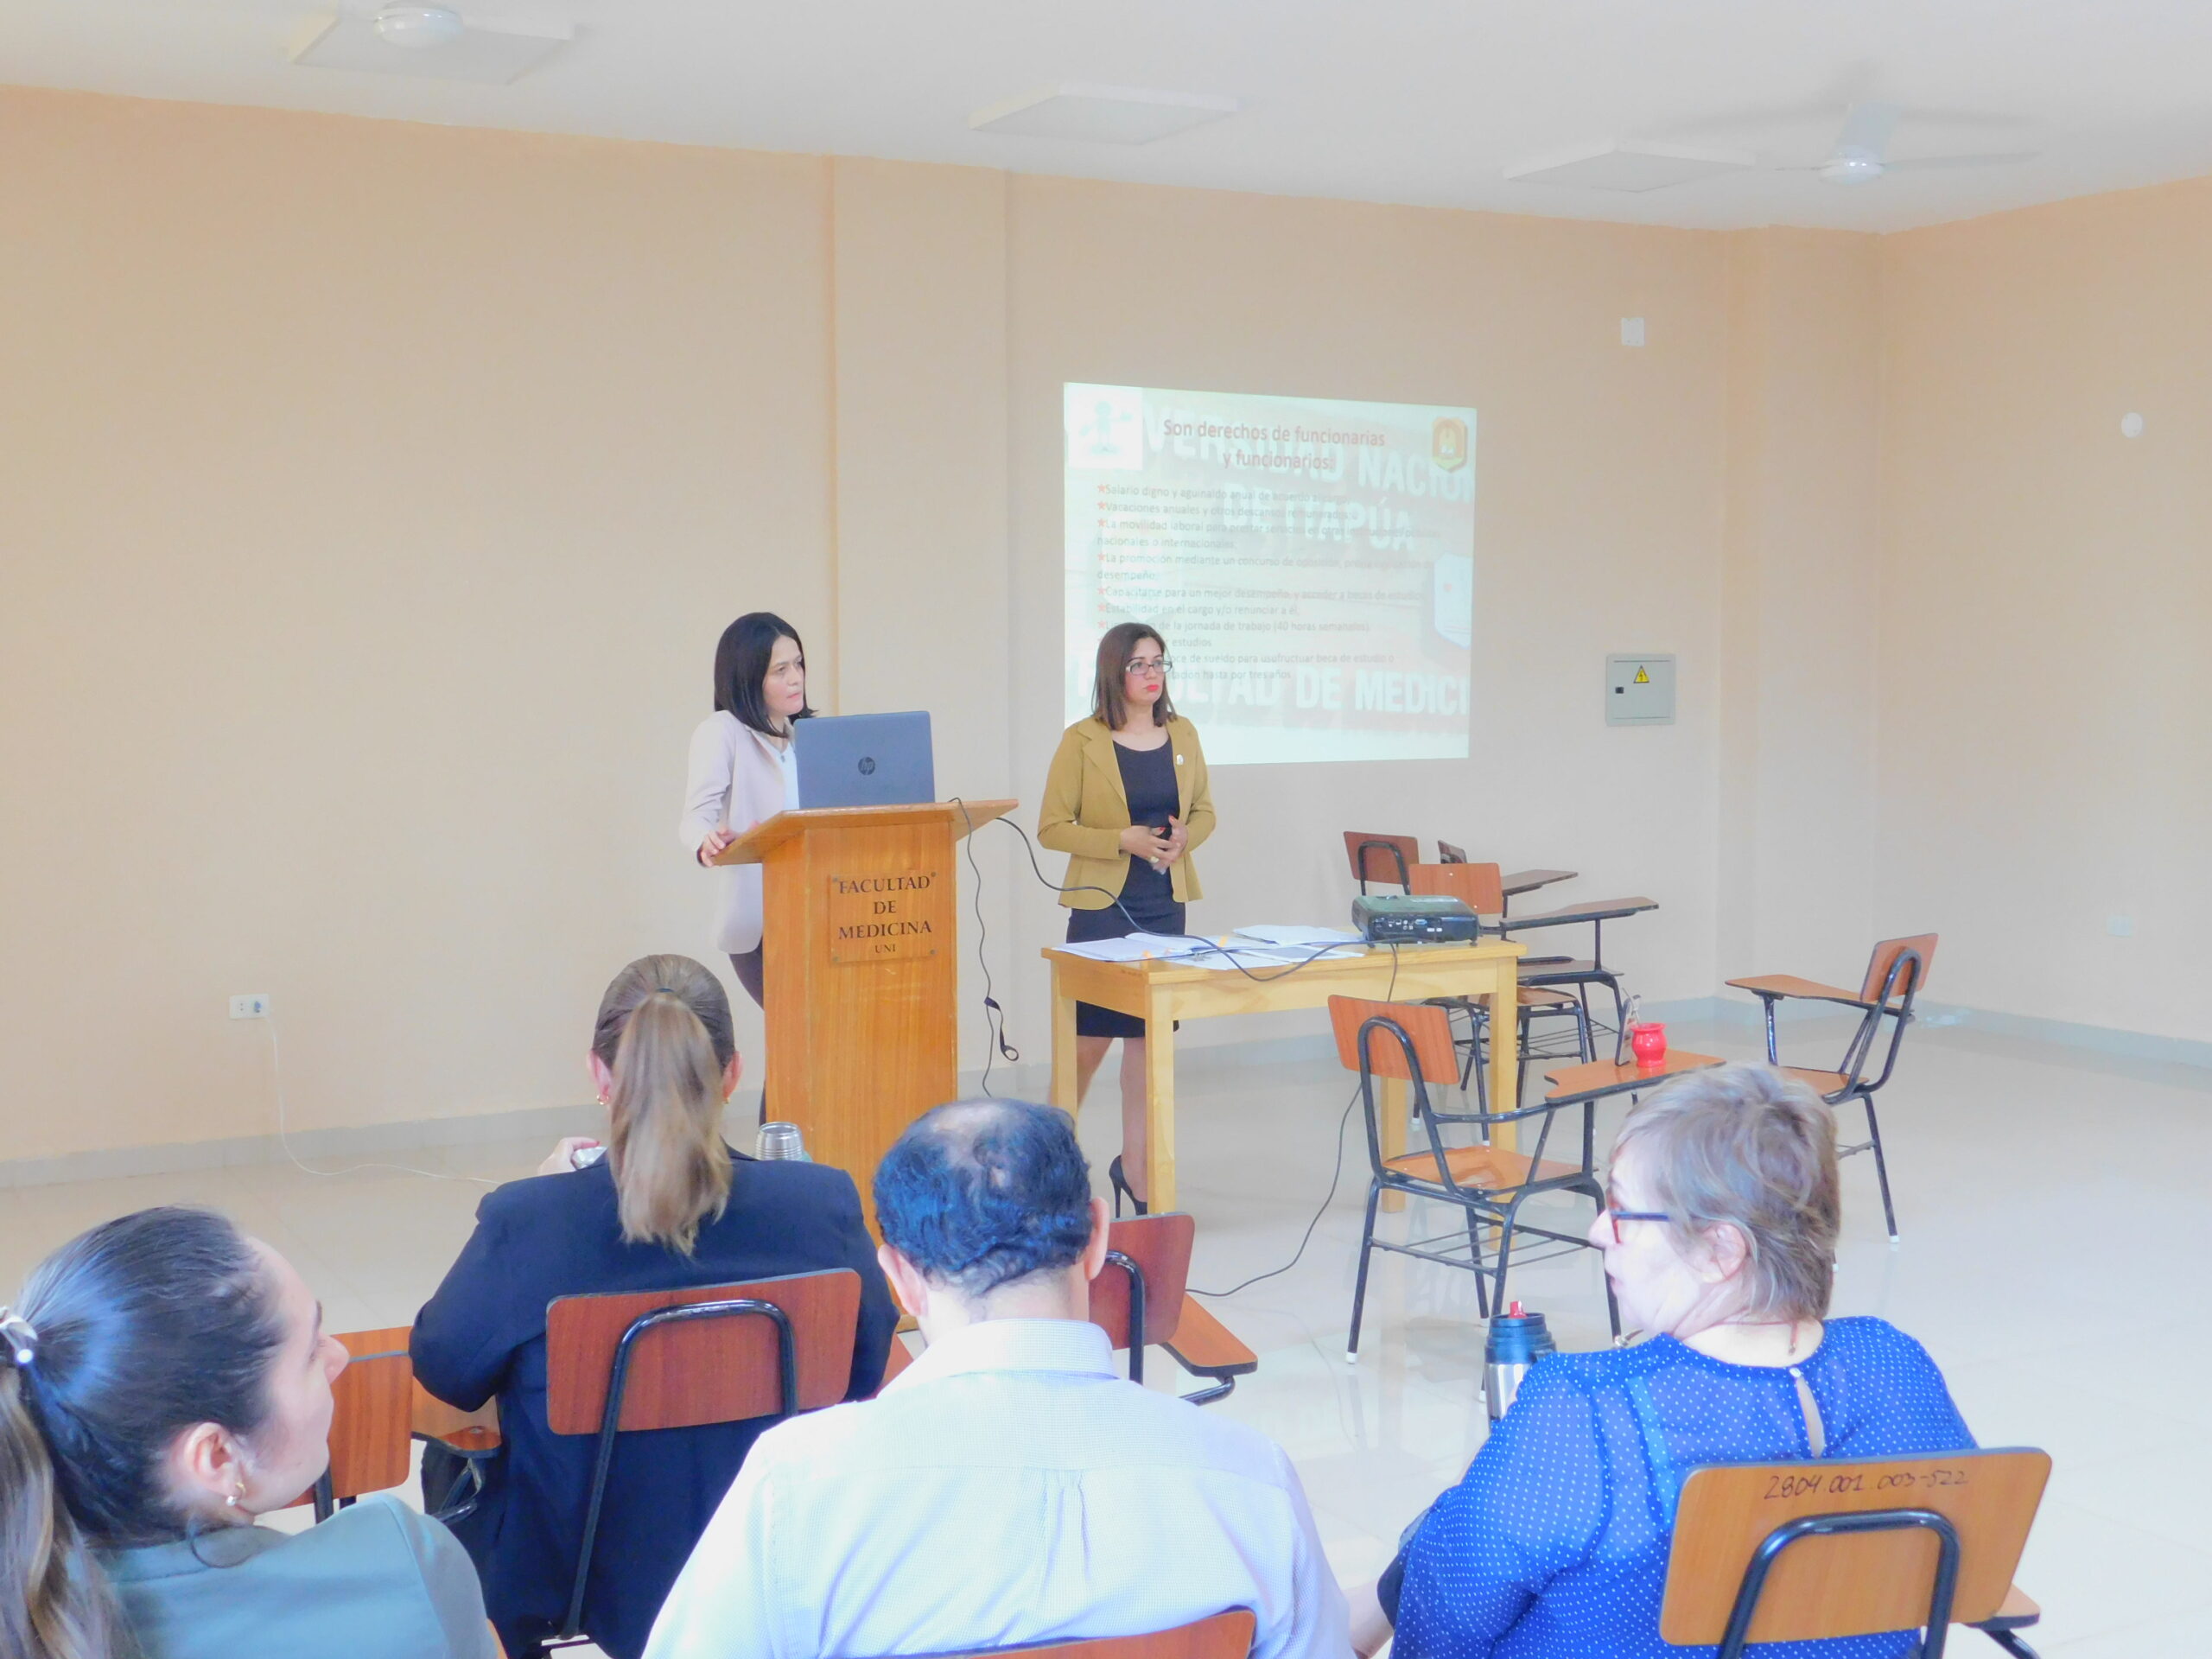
669	1206
164	1380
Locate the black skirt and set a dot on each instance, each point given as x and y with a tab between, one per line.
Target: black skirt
1147	899
1151	902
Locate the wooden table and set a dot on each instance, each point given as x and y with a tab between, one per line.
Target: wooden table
1161	992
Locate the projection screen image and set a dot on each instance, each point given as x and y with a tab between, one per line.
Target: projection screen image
1310	562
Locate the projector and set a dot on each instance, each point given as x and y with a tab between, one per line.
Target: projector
1387	920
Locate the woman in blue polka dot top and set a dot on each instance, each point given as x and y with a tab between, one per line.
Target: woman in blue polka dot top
1720	1238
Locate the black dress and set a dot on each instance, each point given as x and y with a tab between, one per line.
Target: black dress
1147	903
483	1335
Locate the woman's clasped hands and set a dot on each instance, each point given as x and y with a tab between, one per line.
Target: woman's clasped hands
1143	841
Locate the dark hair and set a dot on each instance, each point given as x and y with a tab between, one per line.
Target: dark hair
663	1031
1108	704
742	665
138	1330
981	1192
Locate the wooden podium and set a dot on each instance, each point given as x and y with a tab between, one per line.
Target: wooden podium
861	971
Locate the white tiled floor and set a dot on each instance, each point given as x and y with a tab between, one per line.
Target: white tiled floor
2053	1256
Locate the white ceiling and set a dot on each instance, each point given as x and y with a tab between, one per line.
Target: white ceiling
1422	101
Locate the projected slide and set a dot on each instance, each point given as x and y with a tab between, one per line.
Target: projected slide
1310	562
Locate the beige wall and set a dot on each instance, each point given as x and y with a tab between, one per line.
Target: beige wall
2046	689
374	494
1800	603
377	492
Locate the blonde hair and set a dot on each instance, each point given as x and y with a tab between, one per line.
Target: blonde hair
1746	1146
664	1032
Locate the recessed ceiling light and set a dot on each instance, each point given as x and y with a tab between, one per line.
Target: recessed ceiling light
417	27
1101	115
1630	167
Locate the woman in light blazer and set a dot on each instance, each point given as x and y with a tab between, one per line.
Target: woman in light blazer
742	769
1127	800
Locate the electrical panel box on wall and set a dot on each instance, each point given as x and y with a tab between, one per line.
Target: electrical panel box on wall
1640	690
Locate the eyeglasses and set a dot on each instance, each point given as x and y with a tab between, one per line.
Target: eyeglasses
1147	665
1617	1217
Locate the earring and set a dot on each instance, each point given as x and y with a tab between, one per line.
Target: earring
231	1501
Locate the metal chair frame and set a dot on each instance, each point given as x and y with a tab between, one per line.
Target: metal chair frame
1739	1634
1397	855
1480	1205
1223	1385
1904	968
610	1419
1474	1073
1559	973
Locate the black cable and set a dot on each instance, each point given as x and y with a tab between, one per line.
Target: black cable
994	1015
1336	1173
1114	899
1336	1176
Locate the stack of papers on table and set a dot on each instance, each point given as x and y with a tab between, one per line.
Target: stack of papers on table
1138	947
1262	949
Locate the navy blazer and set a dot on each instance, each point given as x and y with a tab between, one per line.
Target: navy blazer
484	1334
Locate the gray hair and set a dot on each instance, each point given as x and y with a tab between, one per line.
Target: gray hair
1746	1146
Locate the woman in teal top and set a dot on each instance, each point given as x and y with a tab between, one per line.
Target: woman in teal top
164	1380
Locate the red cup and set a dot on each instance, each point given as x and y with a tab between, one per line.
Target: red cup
1648	1043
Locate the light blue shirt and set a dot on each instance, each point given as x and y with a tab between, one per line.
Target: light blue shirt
1009	1488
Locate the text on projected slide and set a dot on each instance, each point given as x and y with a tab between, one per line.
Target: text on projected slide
1310	562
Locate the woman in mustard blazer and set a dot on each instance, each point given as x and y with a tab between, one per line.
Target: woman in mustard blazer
1127	800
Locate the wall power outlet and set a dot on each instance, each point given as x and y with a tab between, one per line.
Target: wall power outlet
250	1005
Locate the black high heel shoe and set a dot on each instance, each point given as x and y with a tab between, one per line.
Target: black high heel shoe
1122	1189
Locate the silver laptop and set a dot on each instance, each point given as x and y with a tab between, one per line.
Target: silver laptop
864	761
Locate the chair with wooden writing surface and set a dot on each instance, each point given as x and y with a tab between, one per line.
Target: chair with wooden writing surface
1798	1552
1143	1288
1511	886
1412	1042
1895	974
1481	888
657	1359
369	1420
1579	974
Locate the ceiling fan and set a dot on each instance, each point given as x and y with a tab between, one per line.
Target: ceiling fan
1861	151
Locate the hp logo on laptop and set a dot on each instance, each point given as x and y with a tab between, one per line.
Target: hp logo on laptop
868	765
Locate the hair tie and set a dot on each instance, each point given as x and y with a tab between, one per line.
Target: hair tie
20	1336
664	990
